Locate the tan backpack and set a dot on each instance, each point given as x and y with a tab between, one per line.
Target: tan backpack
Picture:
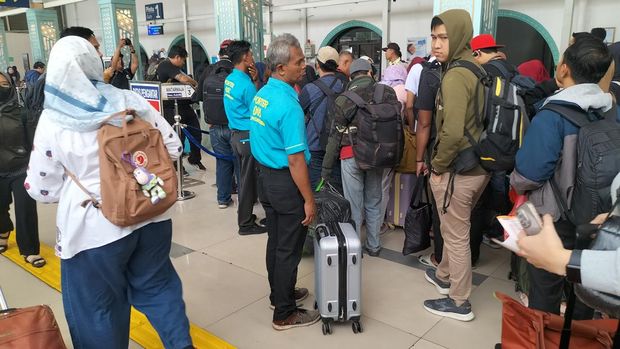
138	179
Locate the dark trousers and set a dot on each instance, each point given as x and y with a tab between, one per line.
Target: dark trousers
225	170
100	285
240	142
188	117
315	168
26	219
284	207
547	289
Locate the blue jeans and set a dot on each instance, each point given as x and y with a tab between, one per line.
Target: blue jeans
224	169
315	168
100	285
364	191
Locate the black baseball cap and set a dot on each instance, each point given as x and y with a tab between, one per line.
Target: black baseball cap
394	46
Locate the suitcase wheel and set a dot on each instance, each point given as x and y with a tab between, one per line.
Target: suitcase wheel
357	327
327	328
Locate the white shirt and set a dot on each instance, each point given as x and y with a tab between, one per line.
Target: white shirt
413	78
79	228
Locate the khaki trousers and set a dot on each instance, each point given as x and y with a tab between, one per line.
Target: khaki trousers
455	265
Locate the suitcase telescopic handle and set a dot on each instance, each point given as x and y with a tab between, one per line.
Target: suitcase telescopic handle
3	304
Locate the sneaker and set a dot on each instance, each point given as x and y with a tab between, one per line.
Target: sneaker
428	260
441	286
254	229
223	205
199	166
263	222
185	173
299	318
447	307
372	253
492	244
300	294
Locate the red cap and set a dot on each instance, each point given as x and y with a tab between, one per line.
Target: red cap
225	43
483	41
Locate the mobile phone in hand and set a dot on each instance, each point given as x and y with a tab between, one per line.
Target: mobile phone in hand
529	218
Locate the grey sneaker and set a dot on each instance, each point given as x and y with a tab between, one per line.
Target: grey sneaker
300	294
492	244
299	318
447	307
441	286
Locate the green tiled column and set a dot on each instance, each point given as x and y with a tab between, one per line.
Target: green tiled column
483	12
241	19
43	30
4	52
119	20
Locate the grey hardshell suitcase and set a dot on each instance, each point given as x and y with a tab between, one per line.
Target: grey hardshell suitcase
338	281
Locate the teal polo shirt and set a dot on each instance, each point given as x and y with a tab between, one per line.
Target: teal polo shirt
277	127
239	91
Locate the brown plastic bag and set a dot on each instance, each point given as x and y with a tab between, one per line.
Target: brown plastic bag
525	328
408	162
32	327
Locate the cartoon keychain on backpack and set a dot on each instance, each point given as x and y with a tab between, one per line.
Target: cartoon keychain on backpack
152	185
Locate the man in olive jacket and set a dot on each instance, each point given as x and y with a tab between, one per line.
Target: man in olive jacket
456	184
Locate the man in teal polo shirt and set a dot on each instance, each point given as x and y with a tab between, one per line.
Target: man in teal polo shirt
239	91
278	142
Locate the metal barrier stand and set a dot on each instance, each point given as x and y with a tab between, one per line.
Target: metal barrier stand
182	194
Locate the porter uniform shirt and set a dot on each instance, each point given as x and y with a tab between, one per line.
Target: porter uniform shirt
239	90
277	127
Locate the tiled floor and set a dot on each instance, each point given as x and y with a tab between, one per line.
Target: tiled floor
225	287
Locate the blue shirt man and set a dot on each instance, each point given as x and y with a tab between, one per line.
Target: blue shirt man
239	91
277	126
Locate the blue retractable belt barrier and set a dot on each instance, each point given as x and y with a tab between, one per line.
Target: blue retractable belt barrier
196	143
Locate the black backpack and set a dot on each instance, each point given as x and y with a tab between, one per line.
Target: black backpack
151	71
330	95
379	137
16	136
598	162
213	96
504	119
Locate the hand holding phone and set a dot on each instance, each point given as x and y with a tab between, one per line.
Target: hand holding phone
529	218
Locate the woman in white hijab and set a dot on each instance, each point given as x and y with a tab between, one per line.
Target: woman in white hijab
105	268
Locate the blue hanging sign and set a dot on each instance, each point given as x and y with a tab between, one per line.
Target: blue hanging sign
154	11
15	3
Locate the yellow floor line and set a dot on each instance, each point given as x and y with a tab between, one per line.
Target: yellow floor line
141	330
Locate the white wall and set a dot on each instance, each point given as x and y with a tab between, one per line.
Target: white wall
18	44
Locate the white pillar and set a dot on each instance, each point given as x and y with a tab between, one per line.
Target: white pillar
188	40
385	26
567	24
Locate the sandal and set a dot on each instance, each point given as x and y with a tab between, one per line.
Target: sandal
35	260
4	242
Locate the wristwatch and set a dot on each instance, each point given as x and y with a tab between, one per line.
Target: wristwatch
573	269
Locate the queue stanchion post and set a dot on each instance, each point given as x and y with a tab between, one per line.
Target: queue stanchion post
182	194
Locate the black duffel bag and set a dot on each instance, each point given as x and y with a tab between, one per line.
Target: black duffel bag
418	220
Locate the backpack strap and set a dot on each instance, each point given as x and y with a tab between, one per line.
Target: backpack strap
327	92
355	98
575	115
485	80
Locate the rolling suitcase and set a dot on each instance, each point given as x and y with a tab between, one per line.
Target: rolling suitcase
338	281
32	327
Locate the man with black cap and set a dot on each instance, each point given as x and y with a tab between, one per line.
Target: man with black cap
362	188
393	54
316	98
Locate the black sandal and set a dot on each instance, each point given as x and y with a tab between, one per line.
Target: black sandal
35	260
4	242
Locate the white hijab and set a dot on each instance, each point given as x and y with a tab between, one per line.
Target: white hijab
76	96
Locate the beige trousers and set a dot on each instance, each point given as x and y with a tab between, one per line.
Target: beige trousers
455	265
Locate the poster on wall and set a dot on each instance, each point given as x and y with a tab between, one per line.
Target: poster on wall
416	47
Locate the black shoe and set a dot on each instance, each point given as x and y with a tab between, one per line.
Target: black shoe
199	165
185	173
263	222
254	229
372	253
